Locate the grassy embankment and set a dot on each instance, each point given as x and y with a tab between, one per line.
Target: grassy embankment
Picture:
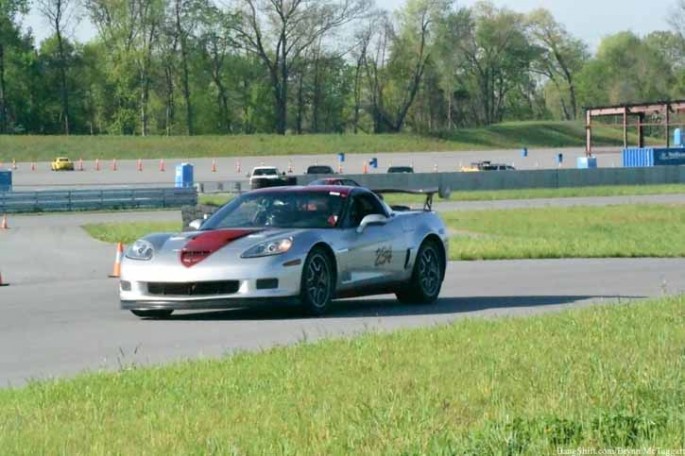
604	377
645	230
502	136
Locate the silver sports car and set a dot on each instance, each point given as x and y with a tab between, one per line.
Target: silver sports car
307	245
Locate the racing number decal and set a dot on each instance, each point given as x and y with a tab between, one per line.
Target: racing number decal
383	255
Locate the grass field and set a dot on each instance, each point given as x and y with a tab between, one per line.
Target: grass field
607	376
501	136
645	230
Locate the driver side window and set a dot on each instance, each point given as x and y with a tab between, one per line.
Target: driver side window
361	206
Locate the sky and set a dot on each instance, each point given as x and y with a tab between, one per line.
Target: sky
589	20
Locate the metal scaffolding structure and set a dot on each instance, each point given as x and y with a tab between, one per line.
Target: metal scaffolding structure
662	109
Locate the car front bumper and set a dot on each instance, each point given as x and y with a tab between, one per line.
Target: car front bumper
261	280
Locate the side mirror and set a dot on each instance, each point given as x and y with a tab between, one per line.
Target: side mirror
196	224
371	219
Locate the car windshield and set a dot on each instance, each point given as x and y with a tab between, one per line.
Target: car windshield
265	172
315	209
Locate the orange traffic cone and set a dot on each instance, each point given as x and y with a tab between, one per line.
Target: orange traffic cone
116	270
33	166
161	164
3	284
340	168
97	164
14	164
213	165
365	168
237	167
290	166
80	164
4	225
140	165
114	164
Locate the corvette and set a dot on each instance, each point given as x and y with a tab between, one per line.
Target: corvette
307	245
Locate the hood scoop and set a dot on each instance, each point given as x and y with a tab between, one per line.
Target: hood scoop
204	244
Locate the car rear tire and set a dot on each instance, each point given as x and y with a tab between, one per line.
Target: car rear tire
427	275
156	314
317	283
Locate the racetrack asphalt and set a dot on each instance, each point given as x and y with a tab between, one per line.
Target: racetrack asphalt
225	169
60	314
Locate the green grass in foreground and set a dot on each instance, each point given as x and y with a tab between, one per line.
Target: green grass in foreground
512	135
644	230
608	376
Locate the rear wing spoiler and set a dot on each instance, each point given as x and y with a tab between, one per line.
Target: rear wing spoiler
443	192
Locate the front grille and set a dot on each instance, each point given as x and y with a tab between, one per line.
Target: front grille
193	288
266	284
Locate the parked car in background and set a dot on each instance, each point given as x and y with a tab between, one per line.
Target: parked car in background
62	164
400	169
486	165
269	176
319	169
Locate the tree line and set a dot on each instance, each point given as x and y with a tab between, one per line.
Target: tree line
187	67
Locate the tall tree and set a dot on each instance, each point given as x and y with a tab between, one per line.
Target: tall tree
624	70
280	31
497	58
184	21
560	56
401	53
449	61
216	42
10	10
60	15
130	31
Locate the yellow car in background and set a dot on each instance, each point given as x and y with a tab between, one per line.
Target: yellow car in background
62	164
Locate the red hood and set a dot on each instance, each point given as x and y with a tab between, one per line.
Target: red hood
204	244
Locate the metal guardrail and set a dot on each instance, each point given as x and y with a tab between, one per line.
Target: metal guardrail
75	200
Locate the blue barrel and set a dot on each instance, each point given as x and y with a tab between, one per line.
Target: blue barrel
341	157
184	175
374	162
524	152
560	158
5	181
678	137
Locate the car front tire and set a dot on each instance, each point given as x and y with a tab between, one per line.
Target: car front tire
427	275
317	283
156	314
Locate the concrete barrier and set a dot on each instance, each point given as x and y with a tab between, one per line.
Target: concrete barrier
526	179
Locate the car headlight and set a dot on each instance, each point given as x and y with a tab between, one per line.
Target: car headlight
275	247
140	250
